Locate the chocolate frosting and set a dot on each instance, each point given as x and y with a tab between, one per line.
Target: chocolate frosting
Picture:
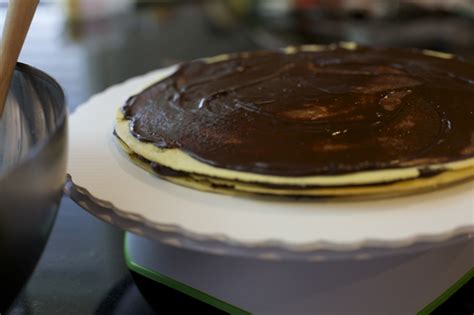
313	113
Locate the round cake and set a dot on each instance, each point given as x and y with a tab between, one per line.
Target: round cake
335	120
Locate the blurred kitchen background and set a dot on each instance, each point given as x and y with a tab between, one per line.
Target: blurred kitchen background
88	45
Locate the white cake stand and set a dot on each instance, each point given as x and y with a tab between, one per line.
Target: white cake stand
106	183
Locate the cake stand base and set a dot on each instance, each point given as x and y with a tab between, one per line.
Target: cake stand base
425	282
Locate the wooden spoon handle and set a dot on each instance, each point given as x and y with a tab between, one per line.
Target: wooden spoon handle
18	20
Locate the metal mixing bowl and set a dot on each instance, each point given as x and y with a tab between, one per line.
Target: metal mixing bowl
33	140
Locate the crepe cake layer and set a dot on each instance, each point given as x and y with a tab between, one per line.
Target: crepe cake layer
233	187
310	120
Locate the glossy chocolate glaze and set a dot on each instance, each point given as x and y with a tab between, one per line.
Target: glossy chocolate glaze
313	113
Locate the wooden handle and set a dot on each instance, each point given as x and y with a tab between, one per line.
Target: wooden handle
18	20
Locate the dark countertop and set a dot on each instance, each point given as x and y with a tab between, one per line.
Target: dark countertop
82	269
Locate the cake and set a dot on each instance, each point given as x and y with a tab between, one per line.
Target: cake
336	120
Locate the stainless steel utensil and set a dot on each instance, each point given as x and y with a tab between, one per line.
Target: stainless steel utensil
33	140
